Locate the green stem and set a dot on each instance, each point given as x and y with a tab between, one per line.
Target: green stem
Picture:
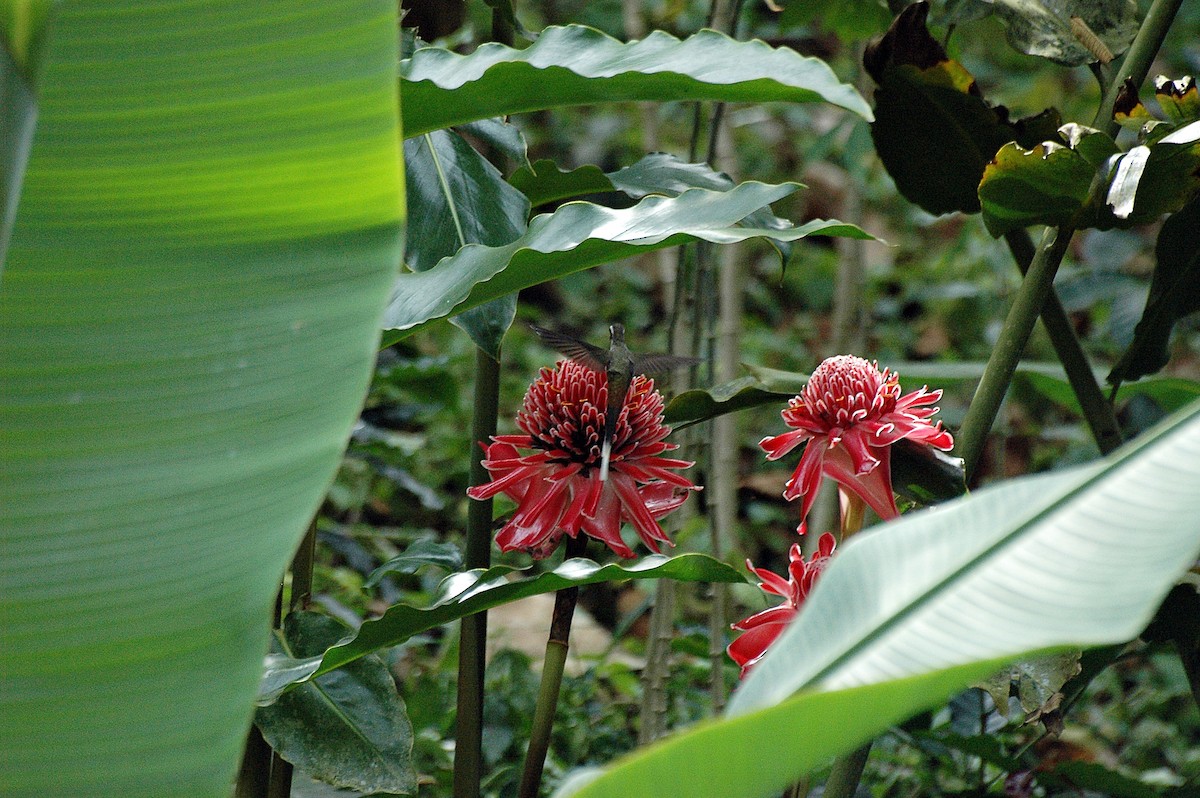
300	598
1097	411
847	772
472	650
1031	297
552	673
254	773
848	768
1138	60
1189	654
1035	288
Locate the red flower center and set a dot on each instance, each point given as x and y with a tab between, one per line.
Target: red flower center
845	390
564	415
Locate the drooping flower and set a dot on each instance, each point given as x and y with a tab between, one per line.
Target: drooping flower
557	487
760	630
849	414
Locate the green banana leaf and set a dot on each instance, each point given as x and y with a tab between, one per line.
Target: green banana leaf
924	606
578	65
207	235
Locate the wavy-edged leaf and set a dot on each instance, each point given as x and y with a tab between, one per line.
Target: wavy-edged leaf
928	604
416	556
663	173
544	182
469	592
580	235
347	728
657	173
456	197
933	129
1050	183
702	404
577	65
188	319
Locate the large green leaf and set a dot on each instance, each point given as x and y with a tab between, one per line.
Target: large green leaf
347	728
578	65
928	604
933	129
468	592
580	235
1174	293
455	197
1050	183
1087	183
207	235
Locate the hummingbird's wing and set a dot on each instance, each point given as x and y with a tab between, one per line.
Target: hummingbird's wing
661	362
581	352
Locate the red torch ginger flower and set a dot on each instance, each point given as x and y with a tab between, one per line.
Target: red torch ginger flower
761	629
850	413
558	488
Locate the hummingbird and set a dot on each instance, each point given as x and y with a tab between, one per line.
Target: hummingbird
619	364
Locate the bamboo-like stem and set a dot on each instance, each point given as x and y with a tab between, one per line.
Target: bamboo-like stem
557	645
658	663
472	647
1097	411
722	477
1035	288
300	598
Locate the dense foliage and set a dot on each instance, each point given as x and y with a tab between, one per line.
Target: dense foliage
916	185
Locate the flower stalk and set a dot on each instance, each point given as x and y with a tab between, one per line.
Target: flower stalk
557	646
848	769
